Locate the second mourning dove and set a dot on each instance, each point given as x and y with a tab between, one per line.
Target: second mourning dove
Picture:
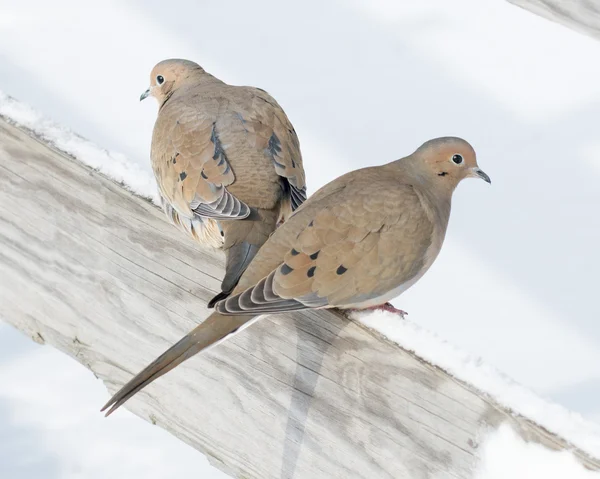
226	159
358	242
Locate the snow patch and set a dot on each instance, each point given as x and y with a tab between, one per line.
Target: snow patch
115	165
505	455
473	370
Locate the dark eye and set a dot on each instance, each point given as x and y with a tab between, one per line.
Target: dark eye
160	80
457	159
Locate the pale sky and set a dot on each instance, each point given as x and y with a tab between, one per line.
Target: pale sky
364	83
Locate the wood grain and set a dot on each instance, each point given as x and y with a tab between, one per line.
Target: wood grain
580	15
99	274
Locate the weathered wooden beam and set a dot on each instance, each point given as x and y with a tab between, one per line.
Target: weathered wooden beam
580	15
98	273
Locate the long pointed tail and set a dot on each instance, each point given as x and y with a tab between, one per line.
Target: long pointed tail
212	331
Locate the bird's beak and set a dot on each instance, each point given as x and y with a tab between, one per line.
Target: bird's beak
145	94
479	173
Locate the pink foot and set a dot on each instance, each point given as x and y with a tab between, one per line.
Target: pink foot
387	307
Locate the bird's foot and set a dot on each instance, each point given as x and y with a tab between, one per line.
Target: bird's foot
387	307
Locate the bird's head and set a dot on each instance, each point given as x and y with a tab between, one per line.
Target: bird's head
448	160
167	76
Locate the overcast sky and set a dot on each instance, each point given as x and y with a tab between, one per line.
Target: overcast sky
364	83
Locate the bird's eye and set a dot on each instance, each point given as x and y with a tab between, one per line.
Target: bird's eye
457	159
160	79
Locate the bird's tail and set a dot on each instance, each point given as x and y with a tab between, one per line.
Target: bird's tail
238	257
243	239
213	330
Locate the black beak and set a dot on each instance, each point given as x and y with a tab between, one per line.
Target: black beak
479	173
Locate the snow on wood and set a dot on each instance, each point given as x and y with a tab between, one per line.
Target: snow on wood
580	15
98	273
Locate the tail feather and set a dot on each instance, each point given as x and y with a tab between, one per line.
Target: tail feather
215	299
239	257
297	196
243	240
212	331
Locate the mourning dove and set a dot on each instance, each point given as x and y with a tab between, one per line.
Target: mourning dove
358	242
226	159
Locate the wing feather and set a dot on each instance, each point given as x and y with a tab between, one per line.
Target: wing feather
349	247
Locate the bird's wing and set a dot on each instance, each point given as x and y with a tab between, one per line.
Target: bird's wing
268	128
364	239
191	165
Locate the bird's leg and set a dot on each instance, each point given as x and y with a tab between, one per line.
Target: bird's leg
387	307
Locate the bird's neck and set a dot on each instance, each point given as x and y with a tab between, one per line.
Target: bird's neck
196	80
439	204
435	192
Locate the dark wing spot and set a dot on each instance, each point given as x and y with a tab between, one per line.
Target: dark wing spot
312	222
341	269
294	252
274	148
311	271
285	269
213	134
274	145
219	151
175	158
315	255
443	173
182	175
203	175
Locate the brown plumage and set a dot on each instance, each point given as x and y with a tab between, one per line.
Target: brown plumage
227	161
358	242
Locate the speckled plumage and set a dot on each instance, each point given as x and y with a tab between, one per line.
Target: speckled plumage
224	157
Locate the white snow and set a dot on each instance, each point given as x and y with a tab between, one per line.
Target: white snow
504	455
473	370
112	164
